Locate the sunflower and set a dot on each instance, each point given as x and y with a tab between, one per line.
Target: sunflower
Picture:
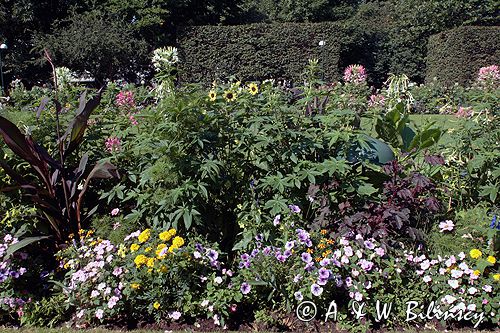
253	89
212	95
229	95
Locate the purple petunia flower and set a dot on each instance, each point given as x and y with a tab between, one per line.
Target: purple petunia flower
289	245
276	220
306	257
245	288
294	208
369	245
365	264
298	296
213	255
266	251
324	273
322	281
316	289
280	257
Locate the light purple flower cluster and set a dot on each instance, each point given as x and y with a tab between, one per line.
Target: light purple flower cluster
207	254
8	269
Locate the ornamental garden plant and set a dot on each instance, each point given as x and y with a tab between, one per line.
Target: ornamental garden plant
234	205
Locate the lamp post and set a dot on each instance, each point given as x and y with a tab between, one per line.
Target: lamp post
321	47
2	48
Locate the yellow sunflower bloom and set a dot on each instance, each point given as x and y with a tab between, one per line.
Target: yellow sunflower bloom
229	95
253	89
212	95
491	260
475	253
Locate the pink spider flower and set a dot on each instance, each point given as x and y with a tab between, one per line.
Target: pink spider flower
488	75
355	74
125	99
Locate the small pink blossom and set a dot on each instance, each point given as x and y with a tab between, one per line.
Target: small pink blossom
175	315
464	112
376	100
446	226
427	279
115	212
99	314
453	283
113	144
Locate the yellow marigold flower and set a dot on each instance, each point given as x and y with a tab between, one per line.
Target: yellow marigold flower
310	251
66	265
135	285
253	89
330	241
151	262
167	235
156	305
134	247
476	272
496	277
148	249
178	241
321	246
491	260
318	259
475	253
212	95
141	259
172	248
323	231
144	236
229	95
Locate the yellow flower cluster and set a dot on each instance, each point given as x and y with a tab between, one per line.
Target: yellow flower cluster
167	235
144	236
160	250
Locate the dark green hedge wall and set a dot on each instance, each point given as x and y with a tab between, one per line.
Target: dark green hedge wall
260	51
456	55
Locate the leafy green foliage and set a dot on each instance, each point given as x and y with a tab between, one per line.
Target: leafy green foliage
455	56
55	191
117	57
249	51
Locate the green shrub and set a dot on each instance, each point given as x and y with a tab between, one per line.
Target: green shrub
456	55
259	51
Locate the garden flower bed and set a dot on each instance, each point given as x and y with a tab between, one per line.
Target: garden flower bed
249	205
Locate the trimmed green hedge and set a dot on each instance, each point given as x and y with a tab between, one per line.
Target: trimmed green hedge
456	55
260	51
